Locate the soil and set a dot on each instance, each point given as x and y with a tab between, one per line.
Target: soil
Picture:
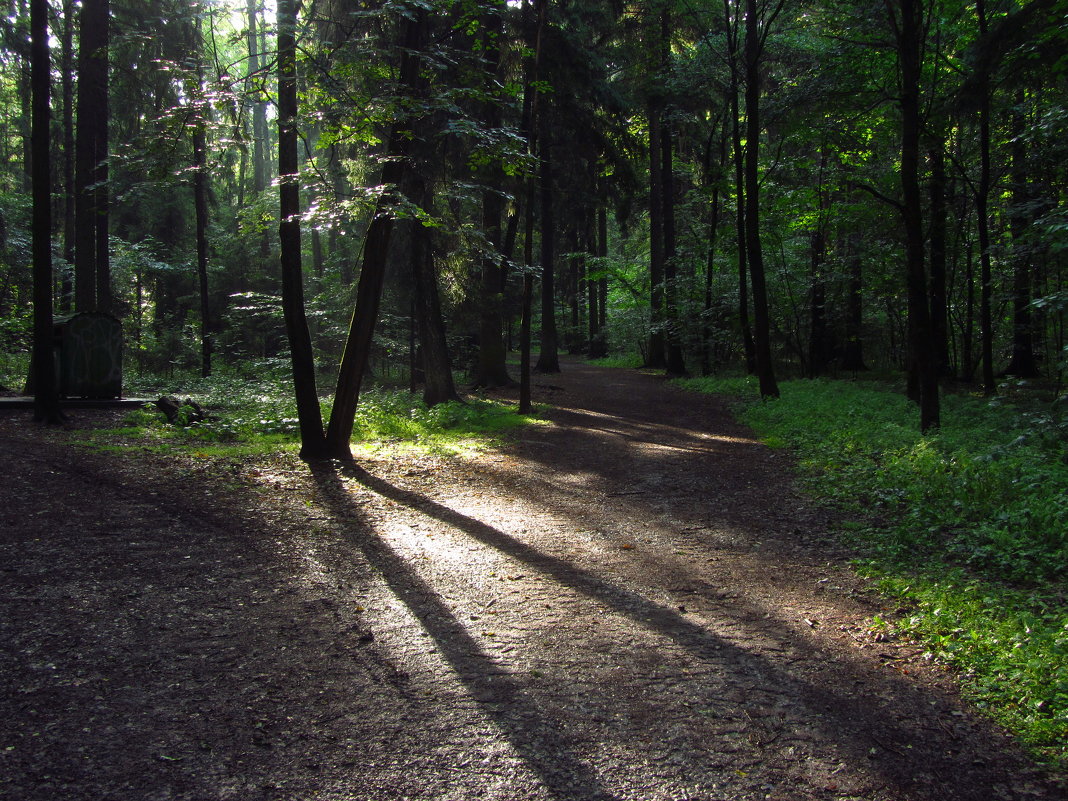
632	603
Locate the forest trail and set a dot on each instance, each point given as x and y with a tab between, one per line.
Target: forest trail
632	604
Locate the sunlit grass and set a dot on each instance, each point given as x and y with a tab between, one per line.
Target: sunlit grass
249	417
969	527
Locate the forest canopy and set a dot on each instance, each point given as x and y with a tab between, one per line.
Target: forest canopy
773	186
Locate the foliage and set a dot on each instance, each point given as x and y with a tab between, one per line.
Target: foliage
970	526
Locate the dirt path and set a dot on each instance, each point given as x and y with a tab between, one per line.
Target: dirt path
630	604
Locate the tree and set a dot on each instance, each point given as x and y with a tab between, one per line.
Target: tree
757	28
313	442
907	23
46	392
375	252
92	273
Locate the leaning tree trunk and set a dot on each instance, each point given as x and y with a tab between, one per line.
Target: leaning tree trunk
375	254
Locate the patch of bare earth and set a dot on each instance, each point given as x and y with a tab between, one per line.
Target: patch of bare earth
633	603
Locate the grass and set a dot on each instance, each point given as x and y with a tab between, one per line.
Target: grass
625	360
258	416
968	528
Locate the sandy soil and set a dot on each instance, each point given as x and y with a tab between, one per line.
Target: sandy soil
633	603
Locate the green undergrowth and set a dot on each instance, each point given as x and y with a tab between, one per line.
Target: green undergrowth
626	360
249	417
966	528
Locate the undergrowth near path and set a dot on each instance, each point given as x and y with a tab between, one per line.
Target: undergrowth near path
968	528
249	416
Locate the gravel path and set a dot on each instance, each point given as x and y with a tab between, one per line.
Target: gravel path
632	603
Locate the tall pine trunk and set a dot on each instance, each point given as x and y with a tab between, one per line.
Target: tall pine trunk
91	267
982	197
492	370
45	390
549	355
313	443
657	356
921	355
769	388
1023	363
437	366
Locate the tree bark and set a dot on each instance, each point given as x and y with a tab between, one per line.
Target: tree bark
549	355
259	112
438	384
313	443
1023	363
91	275
45	390
910	33
739	192
675	364
769	388
375	254
982	196
66	299
200	197
939	297
492	370
657	357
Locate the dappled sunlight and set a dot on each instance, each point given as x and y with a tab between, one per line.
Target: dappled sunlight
607	646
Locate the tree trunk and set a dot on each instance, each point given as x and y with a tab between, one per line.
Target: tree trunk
921	355
66	298
602	282
313	443
982	196
492	369
200	198
819	345
674	365
439	386
259	113
200	202
740	205
769	388
853	350
525	406
375	254
939	297
549	357
90	210
45	391
657	357
1023	363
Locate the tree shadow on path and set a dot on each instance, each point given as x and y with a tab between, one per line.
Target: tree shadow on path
876	741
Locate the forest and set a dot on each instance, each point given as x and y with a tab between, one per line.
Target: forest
783	188
848	216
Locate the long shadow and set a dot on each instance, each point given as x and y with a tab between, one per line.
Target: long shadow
850	721
541	744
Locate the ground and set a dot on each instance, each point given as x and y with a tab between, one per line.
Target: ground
633	603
